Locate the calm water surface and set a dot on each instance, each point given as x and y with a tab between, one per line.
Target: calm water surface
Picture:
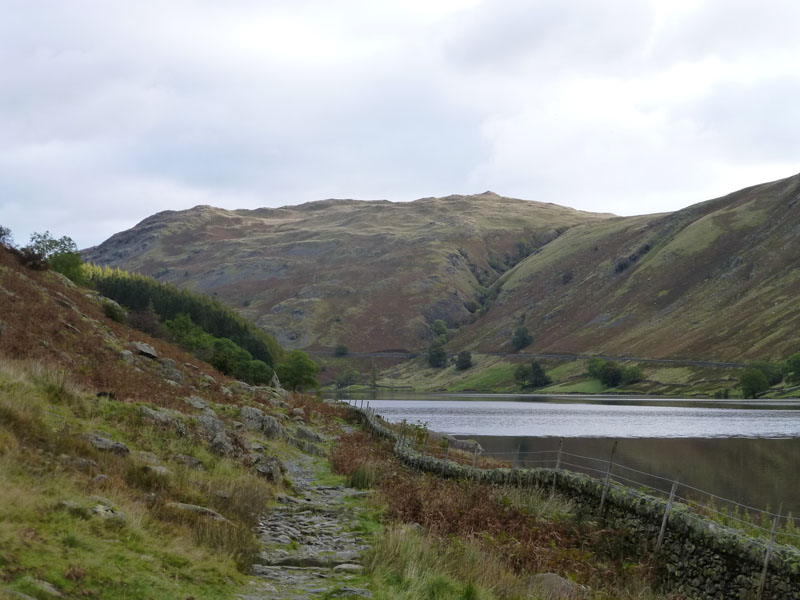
744	450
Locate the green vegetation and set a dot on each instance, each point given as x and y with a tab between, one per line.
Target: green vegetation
138	293
223	354
347	378
753	382
98	538
611	374
522	338
439	327
297	371
341	350
531	375
464	360
437	356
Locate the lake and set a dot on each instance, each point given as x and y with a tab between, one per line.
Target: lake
748	451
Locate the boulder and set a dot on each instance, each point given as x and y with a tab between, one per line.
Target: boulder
157	471
272	428
304	433
145	350
126	356
221	444
196	402
211	425
269	467
253	417
106	445
163	417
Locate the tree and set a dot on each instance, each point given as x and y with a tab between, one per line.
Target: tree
437	356
595	367
632	374
61	254
439	327
521	339
341	350
5	237
773	371
464	360
792	367
297	371
753	382
610	375
531	375
347	378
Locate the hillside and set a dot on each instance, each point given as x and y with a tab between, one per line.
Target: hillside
128	468
372	275
719	280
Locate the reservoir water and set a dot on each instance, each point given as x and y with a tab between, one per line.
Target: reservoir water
748	451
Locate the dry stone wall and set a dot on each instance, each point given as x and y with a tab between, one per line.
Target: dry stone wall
698	558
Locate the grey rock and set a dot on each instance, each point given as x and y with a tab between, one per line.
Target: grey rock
17	595
163	417
304	433
226	392
221	444
126	356
106	445
108	513
197	510
269	467
147	457
174	376
209	379
347	568
100	480
211	425
157	470
145	350
253	417
167	363
298	412
272	428
196	402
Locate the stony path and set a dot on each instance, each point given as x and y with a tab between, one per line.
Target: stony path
311	543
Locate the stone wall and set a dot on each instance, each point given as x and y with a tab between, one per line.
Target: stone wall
698	558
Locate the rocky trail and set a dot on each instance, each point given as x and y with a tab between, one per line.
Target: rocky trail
312	543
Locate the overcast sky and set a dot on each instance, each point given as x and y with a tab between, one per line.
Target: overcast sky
112	111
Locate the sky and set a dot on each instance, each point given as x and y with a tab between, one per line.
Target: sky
113	111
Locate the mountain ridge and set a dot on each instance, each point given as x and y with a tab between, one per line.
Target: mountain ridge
375	274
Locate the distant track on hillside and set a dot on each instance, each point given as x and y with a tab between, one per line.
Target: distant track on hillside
668	361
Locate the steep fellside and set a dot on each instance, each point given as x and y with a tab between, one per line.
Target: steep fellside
719	279
369	274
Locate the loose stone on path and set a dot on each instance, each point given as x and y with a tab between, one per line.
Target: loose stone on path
311	544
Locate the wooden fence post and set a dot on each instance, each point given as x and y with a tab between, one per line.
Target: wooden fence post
768	555
666	516
608	478
447	449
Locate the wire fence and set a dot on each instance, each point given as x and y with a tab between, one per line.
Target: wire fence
704	503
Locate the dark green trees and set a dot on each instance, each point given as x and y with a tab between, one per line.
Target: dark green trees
753	382
464	360
522	338
437	356
531	375
297	371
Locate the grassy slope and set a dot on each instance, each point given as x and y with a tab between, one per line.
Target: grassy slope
372	275
62	378
718	281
